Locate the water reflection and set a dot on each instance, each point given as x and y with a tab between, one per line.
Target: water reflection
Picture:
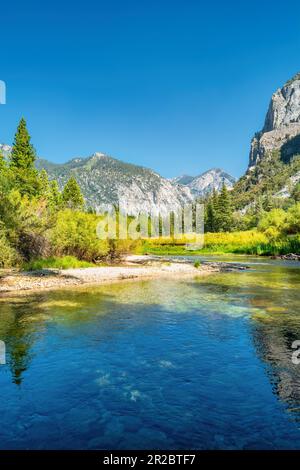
18	335
272	292
273	345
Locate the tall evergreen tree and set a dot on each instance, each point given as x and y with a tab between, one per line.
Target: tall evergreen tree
268	203
71	195
44	183
55	197
22	162
225	212
215	211
210	217
23	154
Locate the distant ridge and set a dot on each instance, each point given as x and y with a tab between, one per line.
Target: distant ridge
206	182
106	180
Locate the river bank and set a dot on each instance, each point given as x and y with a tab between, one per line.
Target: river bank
132	267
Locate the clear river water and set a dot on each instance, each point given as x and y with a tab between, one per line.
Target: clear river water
201	363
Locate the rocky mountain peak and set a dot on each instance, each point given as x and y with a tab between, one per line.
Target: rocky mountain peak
98	155
106	180
284	107
206	182
282	124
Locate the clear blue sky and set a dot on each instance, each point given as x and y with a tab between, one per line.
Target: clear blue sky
175	85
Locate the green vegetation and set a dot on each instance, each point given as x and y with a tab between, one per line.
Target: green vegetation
250	242
74	233
71	195
41	226
269	176
22	169
64	262
219	212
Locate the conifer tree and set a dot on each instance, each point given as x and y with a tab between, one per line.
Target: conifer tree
268	201
224	213
22	161
23	154
210	218
71	195
215	211
44	183
55	197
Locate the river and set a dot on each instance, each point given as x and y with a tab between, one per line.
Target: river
200	363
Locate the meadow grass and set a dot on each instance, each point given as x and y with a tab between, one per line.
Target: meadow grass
250	242
64	262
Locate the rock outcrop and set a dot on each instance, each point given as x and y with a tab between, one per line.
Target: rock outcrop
281	130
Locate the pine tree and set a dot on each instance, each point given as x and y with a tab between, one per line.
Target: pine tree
44	183
71	195
215	211
55	197
210	217
258	210
22	162
23	154
268	201
224	213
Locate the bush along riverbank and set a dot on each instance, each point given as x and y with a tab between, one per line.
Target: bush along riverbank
249	242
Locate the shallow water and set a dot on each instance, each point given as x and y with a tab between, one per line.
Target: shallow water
202	364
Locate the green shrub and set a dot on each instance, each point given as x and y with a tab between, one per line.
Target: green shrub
273	223
8	255
74	233
293	219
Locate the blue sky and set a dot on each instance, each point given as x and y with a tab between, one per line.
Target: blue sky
177	86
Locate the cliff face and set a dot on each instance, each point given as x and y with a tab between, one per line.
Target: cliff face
281	130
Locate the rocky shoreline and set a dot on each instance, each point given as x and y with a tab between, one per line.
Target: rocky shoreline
133	267
288	257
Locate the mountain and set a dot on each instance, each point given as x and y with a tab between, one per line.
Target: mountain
281	130
206	182
106	180
274	160
183	179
